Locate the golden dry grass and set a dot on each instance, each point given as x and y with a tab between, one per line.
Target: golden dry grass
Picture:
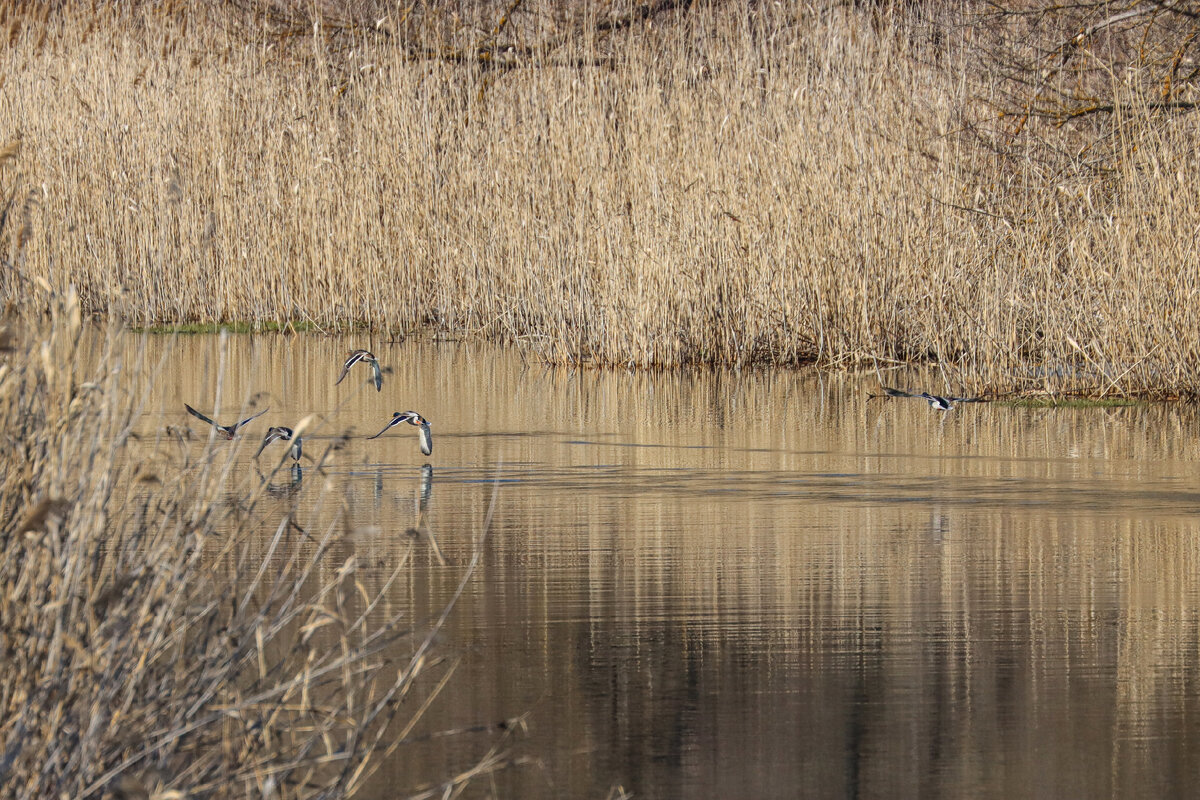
779	187
167	630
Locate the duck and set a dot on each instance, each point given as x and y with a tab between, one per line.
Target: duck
936	402
415	419
365	357
224	431
283	434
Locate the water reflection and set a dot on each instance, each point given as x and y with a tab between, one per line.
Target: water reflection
422	527
285	486
760	584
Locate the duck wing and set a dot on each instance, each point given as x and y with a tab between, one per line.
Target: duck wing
237	425
198	415
385	427
272	435
351	359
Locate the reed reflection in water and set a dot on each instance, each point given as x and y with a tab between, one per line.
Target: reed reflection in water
725	584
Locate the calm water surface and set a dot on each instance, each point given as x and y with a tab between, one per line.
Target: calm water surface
759	585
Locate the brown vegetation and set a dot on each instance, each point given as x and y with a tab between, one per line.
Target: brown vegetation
710	183
155	642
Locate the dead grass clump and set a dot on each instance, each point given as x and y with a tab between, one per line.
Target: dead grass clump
163	636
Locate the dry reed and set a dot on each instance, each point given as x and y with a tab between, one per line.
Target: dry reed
767	186
167	631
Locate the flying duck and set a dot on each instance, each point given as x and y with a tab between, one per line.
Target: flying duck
365	357
283	434
415	419
224	431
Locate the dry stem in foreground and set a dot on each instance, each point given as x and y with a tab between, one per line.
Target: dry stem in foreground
162	635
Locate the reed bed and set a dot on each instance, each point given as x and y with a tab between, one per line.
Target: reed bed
740	185
167	630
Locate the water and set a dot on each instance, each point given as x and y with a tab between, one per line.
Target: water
720	584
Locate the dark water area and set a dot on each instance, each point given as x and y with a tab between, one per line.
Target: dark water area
749	584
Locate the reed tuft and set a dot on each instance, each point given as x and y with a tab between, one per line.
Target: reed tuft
168	631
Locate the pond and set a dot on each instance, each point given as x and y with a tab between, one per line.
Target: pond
752	584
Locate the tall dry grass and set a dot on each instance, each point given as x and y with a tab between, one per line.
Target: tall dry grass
167	630
773	186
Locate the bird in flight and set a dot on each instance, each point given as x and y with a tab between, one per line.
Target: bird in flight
365	357
936	402
224	431
415	419
283	434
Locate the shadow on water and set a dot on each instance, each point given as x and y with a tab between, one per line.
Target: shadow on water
728	584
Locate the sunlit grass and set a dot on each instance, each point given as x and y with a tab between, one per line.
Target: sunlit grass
777	188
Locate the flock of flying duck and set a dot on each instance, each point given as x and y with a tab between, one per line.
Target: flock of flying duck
281	433
425	437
